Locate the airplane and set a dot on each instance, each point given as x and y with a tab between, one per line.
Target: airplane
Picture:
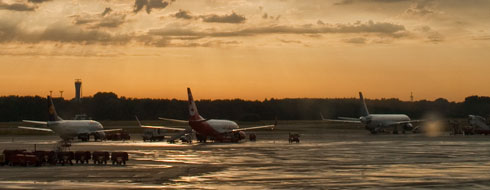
217	130
68	129
479	124
377	122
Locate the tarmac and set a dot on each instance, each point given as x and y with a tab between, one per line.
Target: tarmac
326	158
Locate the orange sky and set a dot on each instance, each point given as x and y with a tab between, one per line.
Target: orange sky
247	49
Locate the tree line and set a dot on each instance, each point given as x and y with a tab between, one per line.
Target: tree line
108	106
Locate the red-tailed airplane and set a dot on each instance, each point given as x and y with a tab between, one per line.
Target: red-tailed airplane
217	130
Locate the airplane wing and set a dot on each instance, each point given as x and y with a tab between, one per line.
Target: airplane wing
109	130
405	122
342	119
35	122
252	128
36	128
163	127
173	120
159	127
349	118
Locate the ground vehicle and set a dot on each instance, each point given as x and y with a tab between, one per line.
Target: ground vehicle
2	159
252	137
117	135
100	157
65	158
293	137
119	157
10	155
82	156
153	135
21	158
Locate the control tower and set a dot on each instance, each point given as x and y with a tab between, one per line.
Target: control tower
78	89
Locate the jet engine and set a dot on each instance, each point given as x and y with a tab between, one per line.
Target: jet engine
408	127
237	136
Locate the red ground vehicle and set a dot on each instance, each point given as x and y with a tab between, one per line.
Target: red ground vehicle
82	156
21	158
30	159
119	158
65	158
10	155
100	157
293	137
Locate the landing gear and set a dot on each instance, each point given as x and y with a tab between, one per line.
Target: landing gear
84	137
201	138
395	130
373	131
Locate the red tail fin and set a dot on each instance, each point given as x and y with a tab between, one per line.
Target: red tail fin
193	113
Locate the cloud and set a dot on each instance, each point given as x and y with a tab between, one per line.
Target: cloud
37	1
421	8
149	4
183	14
430	34
266	16
482	37
58	32
359	40
348	2
380	28
106	11
107	19
232	18
290	41
112	21
17	7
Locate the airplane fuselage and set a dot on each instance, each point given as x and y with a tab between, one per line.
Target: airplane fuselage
67	129
218	129
376	121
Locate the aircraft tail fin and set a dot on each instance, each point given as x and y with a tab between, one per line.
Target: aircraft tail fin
193	113
53	116
364	110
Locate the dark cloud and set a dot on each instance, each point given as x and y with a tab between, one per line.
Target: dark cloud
17	7
106	11
232	18
37	1
183	15
149	4
267	16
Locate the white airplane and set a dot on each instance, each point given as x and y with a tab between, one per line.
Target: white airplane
377	122
68	129
218	130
